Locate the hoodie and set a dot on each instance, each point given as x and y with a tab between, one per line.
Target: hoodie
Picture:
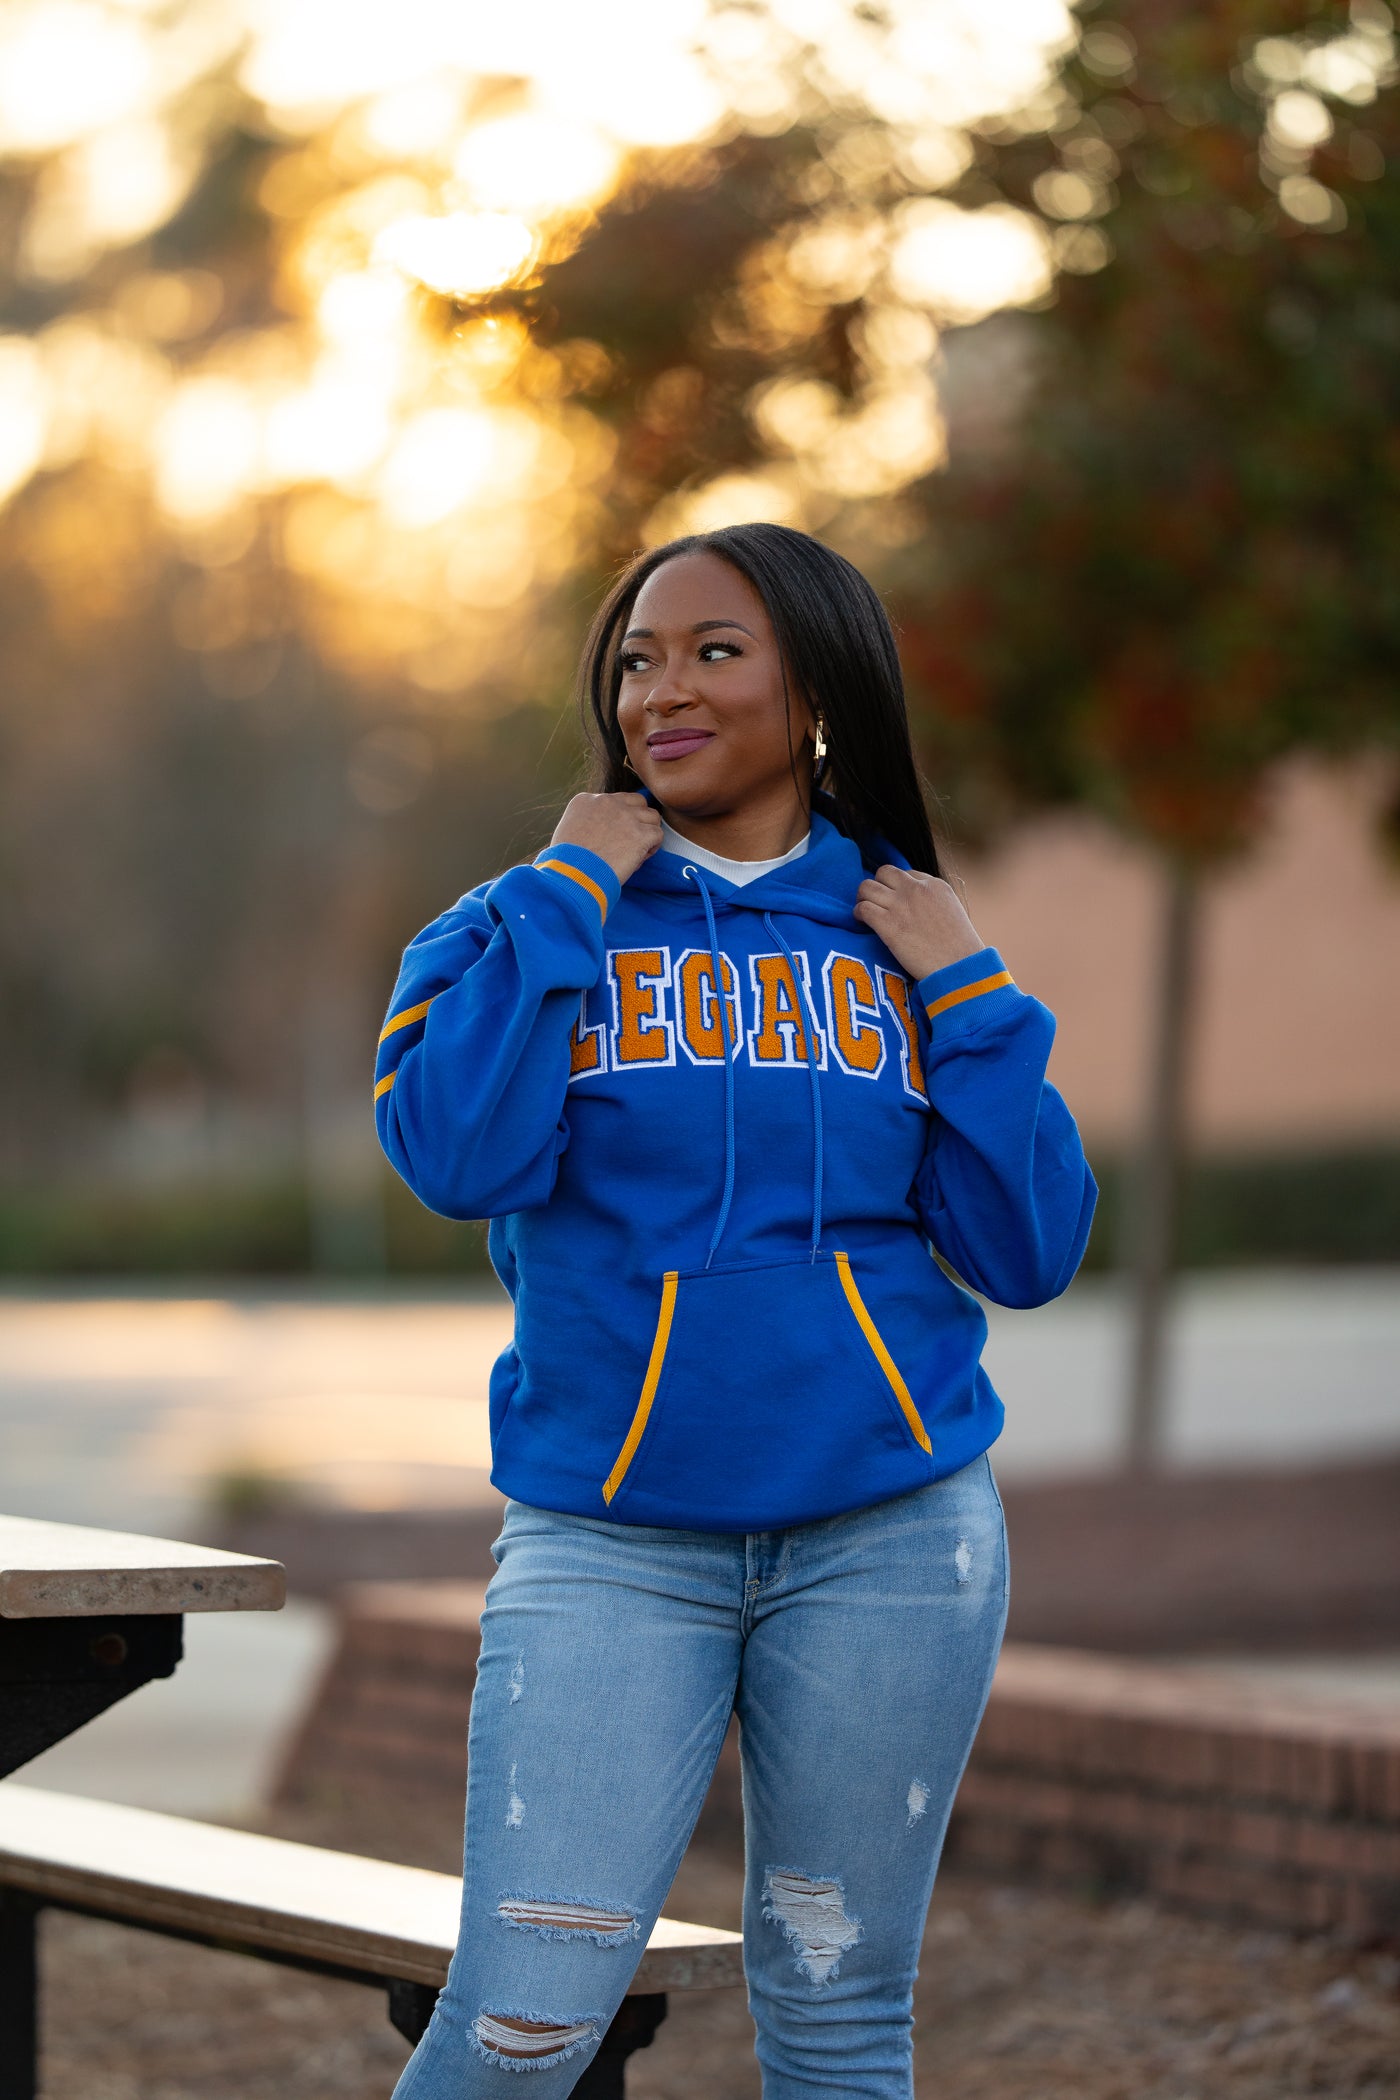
721	1137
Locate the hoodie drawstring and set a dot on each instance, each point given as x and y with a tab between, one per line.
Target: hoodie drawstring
729	1037
809	1036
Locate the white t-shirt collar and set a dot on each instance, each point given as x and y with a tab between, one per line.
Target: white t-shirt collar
736	871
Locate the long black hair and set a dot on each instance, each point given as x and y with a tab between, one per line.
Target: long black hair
836	643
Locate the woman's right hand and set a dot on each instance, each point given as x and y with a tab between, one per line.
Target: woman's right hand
624	830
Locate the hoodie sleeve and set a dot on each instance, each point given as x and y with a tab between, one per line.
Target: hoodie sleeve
473	1060
1004	1191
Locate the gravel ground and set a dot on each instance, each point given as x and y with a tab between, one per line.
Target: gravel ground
1025	1995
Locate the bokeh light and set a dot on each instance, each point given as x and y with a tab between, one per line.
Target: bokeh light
357	355
963	265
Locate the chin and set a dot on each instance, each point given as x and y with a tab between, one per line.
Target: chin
695	798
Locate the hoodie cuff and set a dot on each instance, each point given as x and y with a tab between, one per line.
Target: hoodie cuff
586	872
967	995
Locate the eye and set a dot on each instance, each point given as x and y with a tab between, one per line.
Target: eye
631	660
724	648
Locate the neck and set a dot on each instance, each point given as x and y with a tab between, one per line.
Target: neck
763	832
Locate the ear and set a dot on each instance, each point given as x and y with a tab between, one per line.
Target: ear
804	718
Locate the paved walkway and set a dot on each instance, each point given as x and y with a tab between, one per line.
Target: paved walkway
121	1409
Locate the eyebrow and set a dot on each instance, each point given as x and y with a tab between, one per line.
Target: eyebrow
700	627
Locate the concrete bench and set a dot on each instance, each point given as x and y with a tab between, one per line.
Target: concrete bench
363	1920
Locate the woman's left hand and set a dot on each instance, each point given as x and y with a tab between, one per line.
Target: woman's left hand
920	919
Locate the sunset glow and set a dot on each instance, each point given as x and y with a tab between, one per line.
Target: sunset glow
430	153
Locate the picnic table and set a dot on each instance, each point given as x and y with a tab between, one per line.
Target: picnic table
87	1617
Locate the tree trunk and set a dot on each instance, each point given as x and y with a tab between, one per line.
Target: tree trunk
1155	1191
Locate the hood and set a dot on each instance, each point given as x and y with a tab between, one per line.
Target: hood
820	886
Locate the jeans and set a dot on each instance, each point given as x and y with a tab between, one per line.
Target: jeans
858	1653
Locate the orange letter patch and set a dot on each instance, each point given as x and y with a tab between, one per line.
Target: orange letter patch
641	1033
896	991
853	1016
586	1051
779	1033
698	1008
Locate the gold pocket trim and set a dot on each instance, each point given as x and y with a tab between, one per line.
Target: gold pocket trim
669	1284
881	1353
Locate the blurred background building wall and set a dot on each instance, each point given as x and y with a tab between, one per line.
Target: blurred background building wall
1297	1032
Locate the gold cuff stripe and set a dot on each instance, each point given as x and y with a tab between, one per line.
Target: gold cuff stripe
406	1019
882	1355
625	1456
969	991
595	890
385	1083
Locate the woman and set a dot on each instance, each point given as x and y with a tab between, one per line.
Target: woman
721	1066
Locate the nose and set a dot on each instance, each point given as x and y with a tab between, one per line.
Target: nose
668	694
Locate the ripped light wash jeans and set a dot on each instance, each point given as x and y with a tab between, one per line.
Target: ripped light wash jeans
858	1653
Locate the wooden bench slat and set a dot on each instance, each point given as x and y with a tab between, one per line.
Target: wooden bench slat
269	1894
70	1571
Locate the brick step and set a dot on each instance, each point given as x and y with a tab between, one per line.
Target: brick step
1203	1790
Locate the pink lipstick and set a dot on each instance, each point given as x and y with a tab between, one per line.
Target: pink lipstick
677	743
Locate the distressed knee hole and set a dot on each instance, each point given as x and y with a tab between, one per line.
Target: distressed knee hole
520	2043
916	1801
812	1916
962	1561
569	1921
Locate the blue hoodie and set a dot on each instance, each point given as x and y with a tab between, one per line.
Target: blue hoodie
728	1316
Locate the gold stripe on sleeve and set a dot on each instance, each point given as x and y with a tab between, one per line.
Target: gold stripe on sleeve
385	1083
406	1019
969	991
595	890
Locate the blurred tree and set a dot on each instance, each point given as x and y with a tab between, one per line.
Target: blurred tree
1173	560
1157	552
333	367
336	371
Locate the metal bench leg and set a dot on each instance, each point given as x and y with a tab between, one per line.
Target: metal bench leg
410	2009
19	1996
634	2027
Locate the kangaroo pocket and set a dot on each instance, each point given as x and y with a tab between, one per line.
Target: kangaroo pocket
770	1398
